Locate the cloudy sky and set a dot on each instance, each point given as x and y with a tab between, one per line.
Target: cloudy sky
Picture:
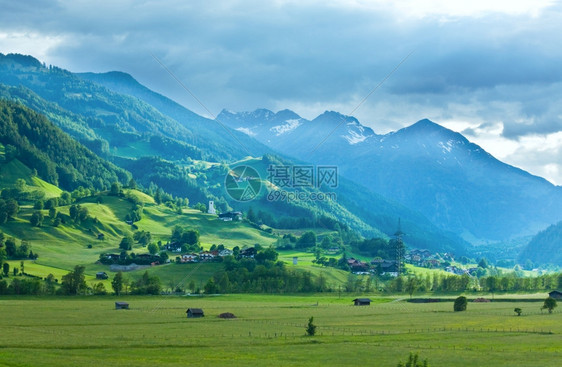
490	69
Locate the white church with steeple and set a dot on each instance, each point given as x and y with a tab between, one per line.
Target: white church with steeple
211	209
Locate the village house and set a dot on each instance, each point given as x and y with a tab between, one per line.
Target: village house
358	266
250	252
230	216
189	258
207	255
194	313
173	247
225	252
415	259
417	255
455	270
112	256
389	267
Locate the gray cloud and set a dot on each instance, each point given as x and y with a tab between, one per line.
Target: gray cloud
244	55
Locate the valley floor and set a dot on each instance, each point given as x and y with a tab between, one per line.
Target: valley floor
269	331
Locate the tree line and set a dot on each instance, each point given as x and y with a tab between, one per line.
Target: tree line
460	283
74	283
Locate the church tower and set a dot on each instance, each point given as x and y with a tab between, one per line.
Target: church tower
399	247
211	209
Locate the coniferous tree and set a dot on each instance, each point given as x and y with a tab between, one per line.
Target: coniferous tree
251	216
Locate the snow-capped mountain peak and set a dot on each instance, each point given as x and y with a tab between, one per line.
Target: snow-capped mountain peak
289	126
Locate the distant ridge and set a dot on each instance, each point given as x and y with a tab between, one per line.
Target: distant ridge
425	166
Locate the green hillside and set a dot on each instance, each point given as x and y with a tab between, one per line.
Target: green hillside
123	122
163	145
77	242
544	247
71	244
52	154
33	150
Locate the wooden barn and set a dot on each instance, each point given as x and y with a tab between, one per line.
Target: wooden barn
555	294
194	313
362	302
121	306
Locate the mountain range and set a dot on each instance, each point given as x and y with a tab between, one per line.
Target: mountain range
453	182
439	184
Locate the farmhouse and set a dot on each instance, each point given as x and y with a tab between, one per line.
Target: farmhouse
189	258
207	255
225	252
555	294
173	247
194	313
229	216
121	306
111	256
250	252
357	266
101	275
386	267
417	256
362	302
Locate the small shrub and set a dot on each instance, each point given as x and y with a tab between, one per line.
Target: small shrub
460	304
413	361
311	328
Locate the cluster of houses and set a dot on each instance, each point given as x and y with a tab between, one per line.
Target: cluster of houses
424	258
206	256
380	266
460	271
421	258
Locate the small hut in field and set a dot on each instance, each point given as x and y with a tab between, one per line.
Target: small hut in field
194	313
121	306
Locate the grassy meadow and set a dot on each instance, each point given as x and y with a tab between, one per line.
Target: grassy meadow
269	331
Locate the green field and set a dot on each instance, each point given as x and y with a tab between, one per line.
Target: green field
269	331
